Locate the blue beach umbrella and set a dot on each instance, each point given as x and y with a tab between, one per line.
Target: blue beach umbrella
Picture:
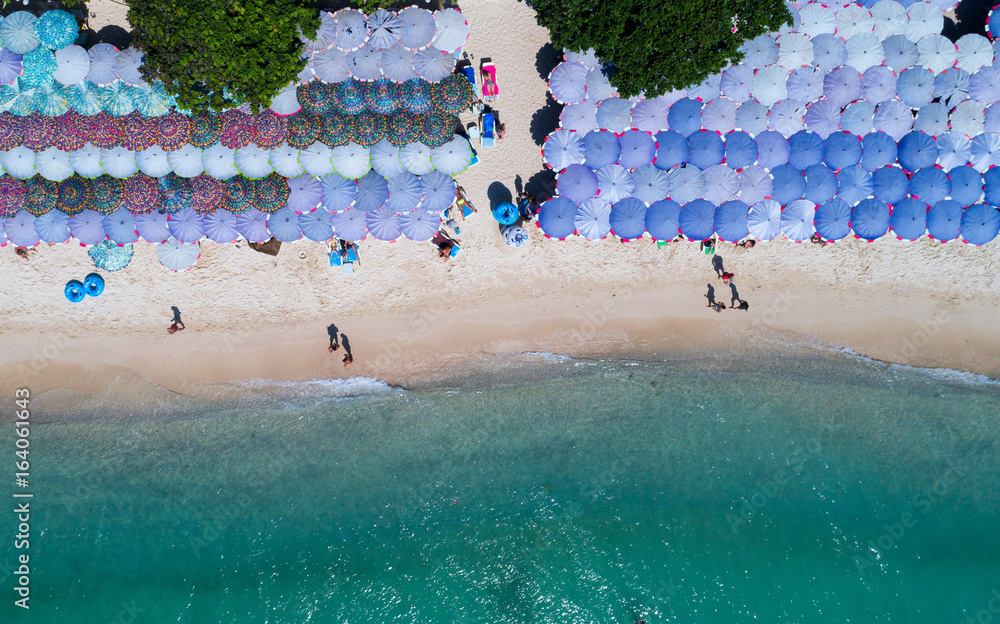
915	86
737	82
764	219
17	32
20	229
306	193
908	219
843	86
787	117
671	149
830	52
87	227
952	85
628	218
878	150
755	185
120	227
220	226
383	224
284	225
556	217
53	227
721	184
614	114
316	225
797	220
805	149
185	225
252	225
916	150
894	118
944	220
805	84
789	184
991	181
663	219
373	191
592	219
601	148
984	85
769	84
930	185
153	227
890	185
56	29
980	224
705	149
842	149
439	191
405	192
759	51
686	184
651	115
751	117
350	225
652	184
823	118
563	148
966	185
577	182
900	52
719	115
697	219
821	184
580	117
870	219
419	225
339	192
932	119
731	221
11	66
833	219
985	151
637	149
858	118
854	184
741	150
614	183
772	150
878	84
684	116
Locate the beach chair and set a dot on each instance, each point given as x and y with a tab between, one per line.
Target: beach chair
454	249
335	259
467	208
469	73
489	131
491	91
473	129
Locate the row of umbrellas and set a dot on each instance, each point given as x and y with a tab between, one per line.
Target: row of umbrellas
102	65
368	63
351	160
881	18
22	32
732	221
412	29
52	99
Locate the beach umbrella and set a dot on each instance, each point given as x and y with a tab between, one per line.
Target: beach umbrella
56	29
966	185
833	219
662	220
372	192
142	195
252	225
829	52
637	149
968	118
384	29
991	180
890	18
794	50
789	184
17	32
325	34
588	57
218	160
452	30
984	85
697	220
557	217
176	195
769	84
419	224
854	184
454	157
102	70
980	224
23	103
755	185
186	226
186	161
651	115
220	226
350	225
916	150
38	132
316	225
284	160
253	162
417	28
433	65
439	191
305	193
568	83
853	19
237	194
751	117
924	19
50	100
577	182
385	159
936	53
705	149
286	102
237	129
864	51
760	51
985	152
72	65
772	150
599	87
805	84
842	149
817	19
416	157
707	90
601	148
805	149
87	227
352	29
178	256
731	221
684	116
870	219
952	85
686	184
878	84
908	219
53	164
741	150
787	117
893	118
721	185
36	195
878	150
205	129
396	63
628	219
736	83
19	162
653	184
284	225
615	114
900	53
580	117
11	66
719	115
944	220
118	162
764	219
109	194
974	51
352	160
954	150
671	150
614	183
843	86
115	99
174	131
338	192
109	256
821	184
797	220
363	63
20	229
120	227
890	185
270	193
915	86
53	227
592	220
405	192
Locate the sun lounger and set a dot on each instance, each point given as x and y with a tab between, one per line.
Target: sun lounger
491	91
469	73
352	254
454	250
473	129
489	131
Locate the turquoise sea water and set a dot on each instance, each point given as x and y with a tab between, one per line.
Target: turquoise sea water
814	488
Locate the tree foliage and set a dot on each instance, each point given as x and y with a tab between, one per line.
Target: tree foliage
657	46
214	53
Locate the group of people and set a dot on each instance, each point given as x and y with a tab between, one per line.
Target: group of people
736	303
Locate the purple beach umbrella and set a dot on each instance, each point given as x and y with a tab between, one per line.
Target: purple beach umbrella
592	219
870	219
186	226
53	227
601	148
252	225
349	225
419	225
637	149
120	227
87	227
152	227
220	226
577	182
697	220
663	219
628	218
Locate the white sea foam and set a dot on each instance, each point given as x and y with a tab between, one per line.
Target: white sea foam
345	388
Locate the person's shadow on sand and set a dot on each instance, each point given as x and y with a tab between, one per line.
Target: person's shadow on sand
711	295
717	265
344	340
736	295
177	314
332	332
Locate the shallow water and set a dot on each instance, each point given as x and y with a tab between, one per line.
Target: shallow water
818	487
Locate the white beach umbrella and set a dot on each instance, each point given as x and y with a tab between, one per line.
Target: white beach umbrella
127	65
588	58
924	19
186	161
118	162
932	119
752	117
352	29
568	82
330	65
563	148
890	18
53	164
937	53
818	19
219	161
974	51
719	115
900	53
325	33
385	159
805	84
178	256
286	102
285	161
17	32
614	114
86	161
651	115
769	84
103	64
707	90
384	29
433	65
985	151
153	162
721	184
864	51
858	118
19	162
580	117
894	118
452	30
794	50
363	63
315	159
600	88
418	28
954	150
416	157
305	193
787	117
968	118
755	184
686	184
737	83
397	64
797	220
453	157
72	65
253	162
614	183
853	19
351	161
764	219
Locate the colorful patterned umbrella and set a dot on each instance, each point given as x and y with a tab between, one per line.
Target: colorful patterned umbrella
41	196
206	194
109	256
369	128
269	129
76	194
205	129
105	131
38	66
316	98
142	194
116	100
270	193
71	133
336	129
10	130
415	96
50	100
380	96
138	133
303	130
17	32
437	129
454	94
12	195
56	29
349	97
404	128
152	100
174	131
175	192
109	194
38	132
237	129
83	98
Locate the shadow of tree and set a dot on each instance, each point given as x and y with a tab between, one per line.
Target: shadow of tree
115	35
971	15
546	59
545	120
541	185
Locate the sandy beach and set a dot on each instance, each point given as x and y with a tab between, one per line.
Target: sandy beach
412	318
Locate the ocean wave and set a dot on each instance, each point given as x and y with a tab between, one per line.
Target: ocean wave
315	390
945	375
538	356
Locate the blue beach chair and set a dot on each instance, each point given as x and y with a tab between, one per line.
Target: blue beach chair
489	131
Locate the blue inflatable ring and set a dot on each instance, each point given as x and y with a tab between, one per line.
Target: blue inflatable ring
74	291
93	284
505	212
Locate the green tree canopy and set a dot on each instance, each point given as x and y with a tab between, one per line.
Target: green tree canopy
201	49
659	45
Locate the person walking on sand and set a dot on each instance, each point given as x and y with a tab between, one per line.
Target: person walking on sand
742	306
718	307
348	359
726	277
175	327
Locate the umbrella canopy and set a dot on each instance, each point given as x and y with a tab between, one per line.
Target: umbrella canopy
109	256
592	219
372	192
805	149
721	185
821	184
893	118
968	118
787	117
218	161
601	148
686	184
760	51
600	88
417	28
385	159
577	182
663	219
452	30
755	185
18	162
615	114
220	226
352	160
384	29
833	219
120	227
870	219
103	65
116	100
900	53
843	86
53	227
53	164
568	83
315	159
863	51
797	220
20	229
284	225
764	219
789	184
671	150
651	115
936	53
924	19
186	226
186	161
580	117
419	224
637	149
628	218
980	224
416	157
974	51
769	84
614	183
684	116
325	34
453	157
439	191
890	18
916	150
794	50
433	65
736	83
252	225
931	185
731	221
707	89
890	185
966	185
652	184
87	227
118	162
697	219
305	193
363	63
805	84
741	150
178	256
405	192
316	225
908	219
705	149
557	217
127	64
985	151
817	19
944	220
396	63
915	86
253	162
331	65
286	102
338	192
72	65
854	184
352	29
952	85
772	150
152	227
17	32
843	149
719	115
878	84
829	52
11	66
751	117
350	225
858	118
284	160
854	19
